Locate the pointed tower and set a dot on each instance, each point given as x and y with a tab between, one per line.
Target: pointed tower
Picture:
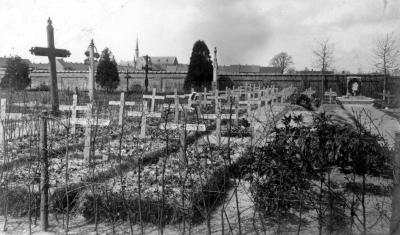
136	58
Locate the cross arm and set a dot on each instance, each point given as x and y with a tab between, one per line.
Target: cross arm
44	51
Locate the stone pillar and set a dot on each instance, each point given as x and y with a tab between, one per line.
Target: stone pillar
215	71
91	71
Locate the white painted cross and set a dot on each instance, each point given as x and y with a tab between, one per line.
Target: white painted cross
122	103
330	94
218	116
88	122
309	92
176	97
32	104
153	98
73	108
144	114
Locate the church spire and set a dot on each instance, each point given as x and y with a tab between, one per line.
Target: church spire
137	48
136	57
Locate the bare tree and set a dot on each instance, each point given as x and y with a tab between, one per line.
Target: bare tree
283	61
386	54
323	54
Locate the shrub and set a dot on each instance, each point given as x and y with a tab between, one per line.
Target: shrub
59	197
112	207
136	88
304	101
17	200
209	196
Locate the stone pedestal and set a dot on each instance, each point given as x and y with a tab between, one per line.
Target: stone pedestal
362	100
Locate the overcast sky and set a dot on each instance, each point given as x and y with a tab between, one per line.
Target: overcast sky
244	31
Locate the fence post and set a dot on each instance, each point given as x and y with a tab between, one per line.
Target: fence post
395	219
44	175
2	129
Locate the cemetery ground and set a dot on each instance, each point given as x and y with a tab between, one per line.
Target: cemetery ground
282	168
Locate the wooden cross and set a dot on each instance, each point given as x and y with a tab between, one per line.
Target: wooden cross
153	98
309	92
235	106
88	123
32	104
144	114
330	94
218	116
73	108
386	96
383	94
121	103
176	97
51	52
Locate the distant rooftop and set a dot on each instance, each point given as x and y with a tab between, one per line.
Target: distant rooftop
248	69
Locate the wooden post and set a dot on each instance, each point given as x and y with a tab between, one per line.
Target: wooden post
248	104
218	122
395	219
44	175
73	113
182	130
203	101
176	101
153	100
144	118
2	129
216	99
121	109
237	112
88	135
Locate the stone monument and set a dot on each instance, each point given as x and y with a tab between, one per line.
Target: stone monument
353	93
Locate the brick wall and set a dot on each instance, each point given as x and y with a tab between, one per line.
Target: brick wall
167	81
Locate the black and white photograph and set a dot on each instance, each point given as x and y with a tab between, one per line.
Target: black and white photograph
264	117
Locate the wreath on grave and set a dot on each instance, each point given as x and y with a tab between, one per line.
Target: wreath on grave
354	86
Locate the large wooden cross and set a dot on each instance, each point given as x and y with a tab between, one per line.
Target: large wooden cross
52	53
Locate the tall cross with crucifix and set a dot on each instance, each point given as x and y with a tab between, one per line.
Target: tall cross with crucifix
51	52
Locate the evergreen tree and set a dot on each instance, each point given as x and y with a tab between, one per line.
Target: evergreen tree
200	68
107	71
17	74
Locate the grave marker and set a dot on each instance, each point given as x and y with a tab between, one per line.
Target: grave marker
144	114
153	98
51	52
73	108
121	103
330	94
309	92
